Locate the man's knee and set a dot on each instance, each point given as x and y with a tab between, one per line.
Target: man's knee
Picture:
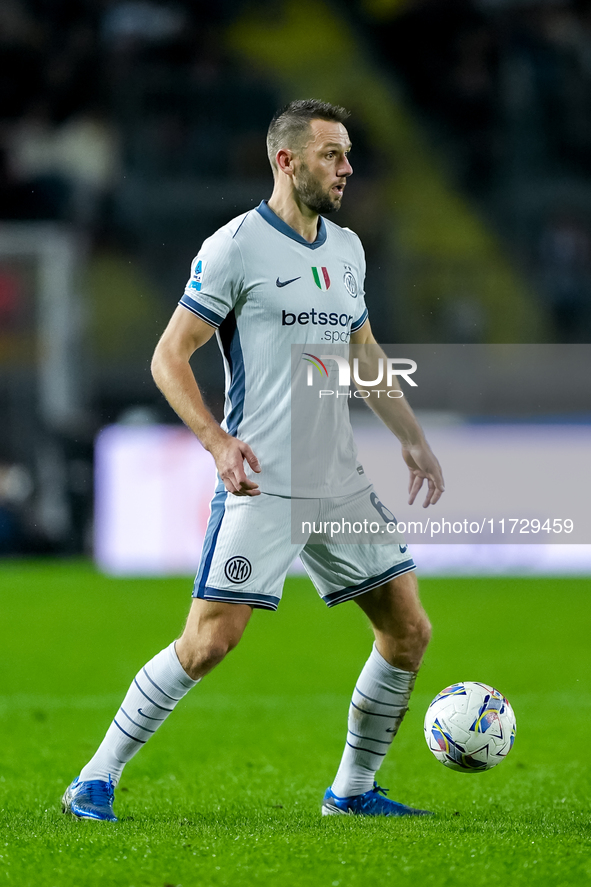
401	626
200	658
211	632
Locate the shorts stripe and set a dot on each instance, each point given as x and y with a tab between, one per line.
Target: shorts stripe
353	591
218	509
258	601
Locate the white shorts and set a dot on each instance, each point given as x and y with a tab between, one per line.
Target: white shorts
249	547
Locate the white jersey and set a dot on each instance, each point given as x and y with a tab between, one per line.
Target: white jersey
266	289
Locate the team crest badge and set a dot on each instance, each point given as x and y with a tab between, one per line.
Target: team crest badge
237	569
350	282
321	278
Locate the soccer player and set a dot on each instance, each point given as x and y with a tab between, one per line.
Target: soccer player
277	276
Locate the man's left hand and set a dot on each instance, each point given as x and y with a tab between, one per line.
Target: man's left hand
423	465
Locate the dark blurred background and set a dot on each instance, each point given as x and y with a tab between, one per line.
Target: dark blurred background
131	129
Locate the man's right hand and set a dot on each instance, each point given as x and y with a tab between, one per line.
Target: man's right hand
229	454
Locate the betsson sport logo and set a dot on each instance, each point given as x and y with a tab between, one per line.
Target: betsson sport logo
388	369
322	318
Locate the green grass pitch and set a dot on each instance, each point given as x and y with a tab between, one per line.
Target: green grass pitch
228	792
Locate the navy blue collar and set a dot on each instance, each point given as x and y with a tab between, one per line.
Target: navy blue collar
269	216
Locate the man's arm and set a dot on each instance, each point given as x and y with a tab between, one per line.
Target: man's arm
174	377
397	415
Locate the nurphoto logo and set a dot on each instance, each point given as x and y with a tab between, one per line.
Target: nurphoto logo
387	371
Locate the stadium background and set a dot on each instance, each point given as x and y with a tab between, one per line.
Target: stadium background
130	130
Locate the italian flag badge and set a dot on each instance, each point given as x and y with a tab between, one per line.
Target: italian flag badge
321	278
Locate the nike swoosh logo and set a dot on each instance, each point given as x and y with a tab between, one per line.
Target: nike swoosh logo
285	282
140	712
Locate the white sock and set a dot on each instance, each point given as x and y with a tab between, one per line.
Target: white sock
154	693
380	701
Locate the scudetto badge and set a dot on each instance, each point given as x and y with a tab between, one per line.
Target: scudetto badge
237	570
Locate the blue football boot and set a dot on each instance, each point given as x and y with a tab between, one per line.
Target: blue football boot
371	803
90	800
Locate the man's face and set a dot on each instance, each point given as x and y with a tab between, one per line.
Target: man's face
322	167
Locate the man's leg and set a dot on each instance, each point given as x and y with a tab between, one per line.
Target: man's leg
380	699
211	631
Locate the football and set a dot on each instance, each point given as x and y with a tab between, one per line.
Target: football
470	727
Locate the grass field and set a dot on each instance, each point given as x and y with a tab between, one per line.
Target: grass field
228	792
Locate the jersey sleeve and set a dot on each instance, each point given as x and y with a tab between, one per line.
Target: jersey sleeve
360	315
217	279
